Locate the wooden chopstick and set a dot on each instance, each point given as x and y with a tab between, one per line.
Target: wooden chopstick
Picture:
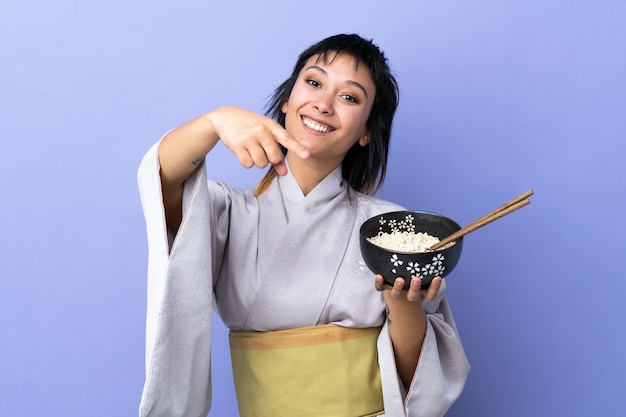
507	208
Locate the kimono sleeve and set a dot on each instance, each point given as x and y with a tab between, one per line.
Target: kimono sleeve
441	372
179	300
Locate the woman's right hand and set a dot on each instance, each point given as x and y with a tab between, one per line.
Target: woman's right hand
253	138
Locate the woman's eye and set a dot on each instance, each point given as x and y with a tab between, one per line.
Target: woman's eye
313	83
349	98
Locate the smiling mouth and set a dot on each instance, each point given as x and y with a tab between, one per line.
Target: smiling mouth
313	125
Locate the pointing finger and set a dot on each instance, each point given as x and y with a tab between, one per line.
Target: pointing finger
289	142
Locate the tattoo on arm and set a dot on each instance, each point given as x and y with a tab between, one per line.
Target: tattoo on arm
198	161
388	313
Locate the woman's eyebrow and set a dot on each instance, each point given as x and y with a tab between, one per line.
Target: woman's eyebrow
351	82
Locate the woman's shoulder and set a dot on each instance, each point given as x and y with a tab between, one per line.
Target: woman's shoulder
371	205
231	192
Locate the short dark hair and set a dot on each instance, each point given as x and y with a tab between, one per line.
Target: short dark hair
364	167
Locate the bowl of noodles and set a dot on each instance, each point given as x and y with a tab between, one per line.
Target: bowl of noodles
395	244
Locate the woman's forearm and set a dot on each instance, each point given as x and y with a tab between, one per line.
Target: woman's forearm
407	328
180	153
182	149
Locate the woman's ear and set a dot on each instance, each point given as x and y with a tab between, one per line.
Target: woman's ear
284	107
365	139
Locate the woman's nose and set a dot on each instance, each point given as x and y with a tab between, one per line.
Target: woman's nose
324	103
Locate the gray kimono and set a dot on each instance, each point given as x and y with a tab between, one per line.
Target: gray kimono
280	261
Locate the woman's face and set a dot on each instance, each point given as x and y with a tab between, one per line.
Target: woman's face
329	105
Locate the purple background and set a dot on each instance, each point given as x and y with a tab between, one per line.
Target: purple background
497	97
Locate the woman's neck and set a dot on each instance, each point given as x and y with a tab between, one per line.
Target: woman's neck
309	172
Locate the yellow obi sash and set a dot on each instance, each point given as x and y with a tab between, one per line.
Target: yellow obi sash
328	371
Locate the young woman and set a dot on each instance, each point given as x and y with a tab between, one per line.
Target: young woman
313	332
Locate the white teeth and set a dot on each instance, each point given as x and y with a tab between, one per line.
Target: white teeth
315	126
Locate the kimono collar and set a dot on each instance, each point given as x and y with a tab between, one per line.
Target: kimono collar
302	242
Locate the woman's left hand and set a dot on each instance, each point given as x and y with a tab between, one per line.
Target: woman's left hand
407	320
414	292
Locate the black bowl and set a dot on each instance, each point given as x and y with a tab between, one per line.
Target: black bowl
392	264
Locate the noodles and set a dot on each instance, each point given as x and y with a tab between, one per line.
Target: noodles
405	241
